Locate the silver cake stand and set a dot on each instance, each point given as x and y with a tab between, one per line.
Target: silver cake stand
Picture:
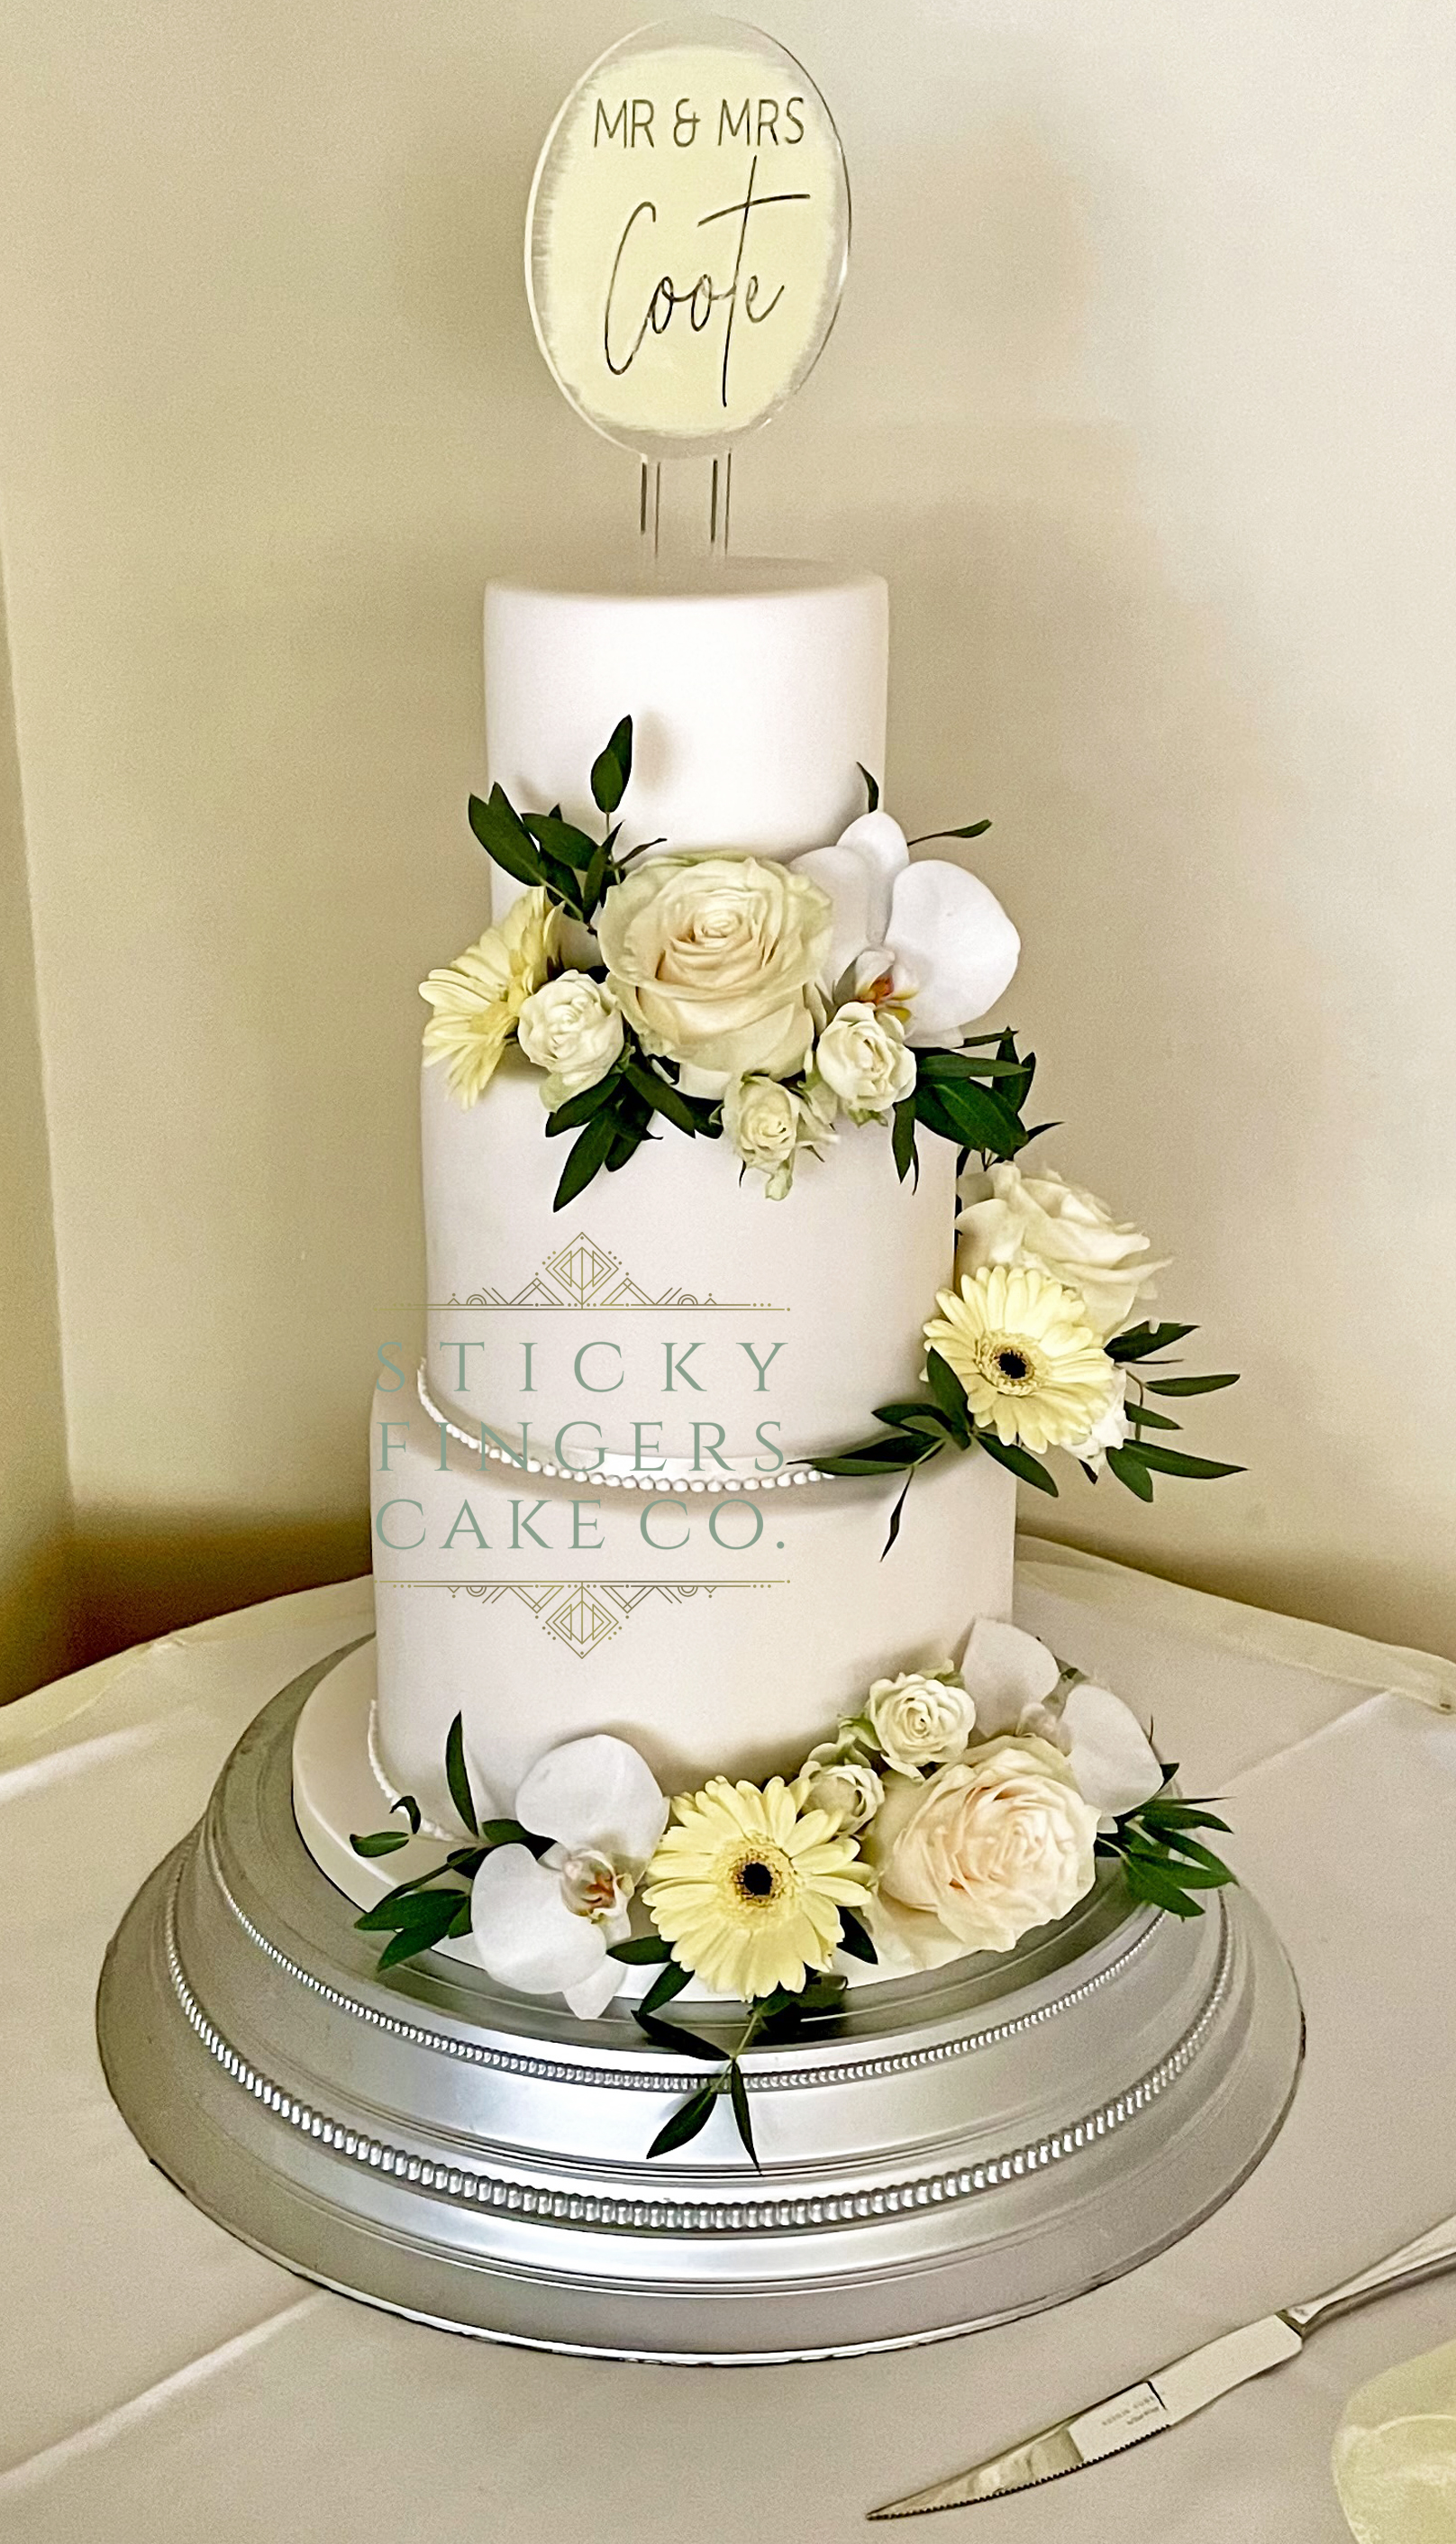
950	2151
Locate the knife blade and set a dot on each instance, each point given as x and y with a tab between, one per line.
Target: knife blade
1184	2386
1187	2385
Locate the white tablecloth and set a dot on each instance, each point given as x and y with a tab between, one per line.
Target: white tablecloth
158	2381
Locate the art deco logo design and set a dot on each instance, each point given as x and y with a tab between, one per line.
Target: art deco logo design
584	1615
583	1274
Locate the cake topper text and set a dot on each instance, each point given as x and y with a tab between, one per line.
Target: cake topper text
701	297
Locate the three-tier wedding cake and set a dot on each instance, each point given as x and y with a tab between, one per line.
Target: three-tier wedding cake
699	1923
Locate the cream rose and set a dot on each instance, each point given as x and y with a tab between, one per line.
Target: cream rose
766	1124
973	1858
571	1028
712	960
1060	1229
918	1720
862	1056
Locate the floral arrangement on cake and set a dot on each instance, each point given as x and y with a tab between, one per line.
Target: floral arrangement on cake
740	999
953	1813
1031	1350
735	997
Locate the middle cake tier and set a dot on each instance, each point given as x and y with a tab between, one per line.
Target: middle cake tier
787	1320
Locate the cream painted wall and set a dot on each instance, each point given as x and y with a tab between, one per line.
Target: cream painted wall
1141	396
36	1640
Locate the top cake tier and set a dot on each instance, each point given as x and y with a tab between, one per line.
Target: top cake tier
753	694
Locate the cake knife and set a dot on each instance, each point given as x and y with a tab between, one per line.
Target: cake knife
1173	2393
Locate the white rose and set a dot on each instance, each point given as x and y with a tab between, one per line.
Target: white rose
973	1858
917	1721
713	961
571	1027
766	1124
862	1057
1058	1228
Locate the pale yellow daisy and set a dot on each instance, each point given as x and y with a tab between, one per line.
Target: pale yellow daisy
1032	1366
747	1884
478	998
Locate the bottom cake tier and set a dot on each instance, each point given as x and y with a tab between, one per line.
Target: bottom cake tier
945	2152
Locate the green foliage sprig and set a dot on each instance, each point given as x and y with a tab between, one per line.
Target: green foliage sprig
1162	1861
614	1117
779	2016
415	1914
920	1428
545	852
1141	1348
548	853
973	1097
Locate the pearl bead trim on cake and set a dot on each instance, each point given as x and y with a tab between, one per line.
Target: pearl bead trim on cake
618	1476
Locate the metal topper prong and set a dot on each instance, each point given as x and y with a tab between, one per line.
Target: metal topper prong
650	506
719	502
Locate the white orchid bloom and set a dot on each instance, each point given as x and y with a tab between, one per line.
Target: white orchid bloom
1016	1685
938	934
544	1924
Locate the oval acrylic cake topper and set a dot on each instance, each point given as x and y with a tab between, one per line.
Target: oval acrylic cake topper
687	236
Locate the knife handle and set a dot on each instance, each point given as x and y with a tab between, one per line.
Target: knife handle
1432	2251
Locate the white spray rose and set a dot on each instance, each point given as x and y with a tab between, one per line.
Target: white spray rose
918	1720
572	1028
836	1779
1109	1431
862	1056
713	961
766	1124
973	1857
1058	1228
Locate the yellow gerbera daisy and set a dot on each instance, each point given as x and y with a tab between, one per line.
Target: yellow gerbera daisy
1032	1366
746	1886
478	998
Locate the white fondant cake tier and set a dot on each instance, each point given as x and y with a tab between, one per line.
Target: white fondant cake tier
753	694
717	1635
807	1312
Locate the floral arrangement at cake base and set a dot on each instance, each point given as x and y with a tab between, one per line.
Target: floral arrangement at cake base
953	1813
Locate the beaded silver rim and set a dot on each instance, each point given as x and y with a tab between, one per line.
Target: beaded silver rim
618	1476
477	2188
671	2080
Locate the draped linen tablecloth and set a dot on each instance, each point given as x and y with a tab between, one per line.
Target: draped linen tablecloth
158	2381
